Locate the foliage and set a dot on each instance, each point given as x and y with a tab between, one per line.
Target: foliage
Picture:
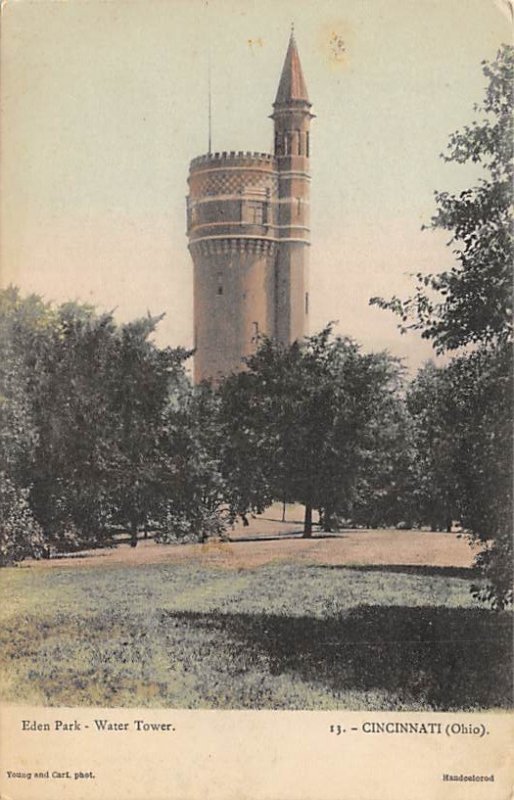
434	416
472	302
195	504
20	535
84	409
481	385
143	380
302	423
471	305
21	324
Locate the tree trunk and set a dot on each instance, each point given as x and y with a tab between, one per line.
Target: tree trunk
283	510
307	525
133	534
327	521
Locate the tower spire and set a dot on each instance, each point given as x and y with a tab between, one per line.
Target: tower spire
291	86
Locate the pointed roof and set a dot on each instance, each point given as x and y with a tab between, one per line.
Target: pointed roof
292	84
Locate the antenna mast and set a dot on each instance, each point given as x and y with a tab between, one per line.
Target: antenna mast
209	101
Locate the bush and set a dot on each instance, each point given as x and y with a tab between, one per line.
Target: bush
20	535
495	563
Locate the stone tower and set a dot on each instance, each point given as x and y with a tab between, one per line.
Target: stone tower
248	229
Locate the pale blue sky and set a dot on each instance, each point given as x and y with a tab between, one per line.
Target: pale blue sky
105	104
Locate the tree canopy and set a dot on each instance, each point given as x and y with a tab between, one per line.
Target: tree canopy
301	422
471	303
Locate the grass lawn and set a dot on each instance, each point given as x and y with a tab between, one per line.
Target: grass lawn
279	635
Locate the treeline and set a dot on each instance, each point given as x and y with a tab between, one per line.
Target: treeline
101	431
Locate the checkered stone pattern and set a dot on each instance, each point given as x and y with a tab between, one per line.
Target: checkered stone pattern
236	182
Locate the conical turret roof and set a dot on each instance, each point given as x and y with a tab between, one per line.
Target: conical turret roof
292	84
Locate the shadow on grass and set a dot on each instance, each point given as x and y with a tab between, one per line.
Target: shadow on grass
272	537
468	573
442	658
279	537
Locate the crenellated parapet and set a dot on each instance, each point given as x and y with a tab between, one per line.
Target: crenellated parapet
232	157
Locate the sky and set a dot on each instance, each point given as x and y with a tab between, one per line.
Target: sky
105	103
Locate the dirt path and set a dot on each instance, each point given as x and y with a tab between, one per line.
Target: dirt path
268	540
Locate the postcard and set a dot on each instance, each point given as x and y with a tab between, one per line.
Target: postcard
256	400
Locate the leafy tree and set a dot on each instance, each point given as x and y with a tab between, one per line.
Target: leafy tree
299	422
481	387
82	409
470	305
434	412
71	494
20	534
385	492
195	492
21	321
142	382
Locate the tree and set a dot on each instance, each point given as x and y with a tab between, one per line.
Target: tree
142	382
471	303
21	322
194	492
83	406
469	307
433	410
298	423
71	493
481	387
385	492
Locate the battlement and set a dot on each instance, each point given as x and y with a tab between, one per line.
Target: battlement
239	158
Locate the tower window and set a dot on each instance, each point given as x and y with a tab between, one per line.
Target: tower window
298	206
220	283
299	142
254	213
306	302
307	144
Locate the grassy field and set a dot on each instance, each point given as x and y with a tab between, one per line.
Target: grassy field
283	634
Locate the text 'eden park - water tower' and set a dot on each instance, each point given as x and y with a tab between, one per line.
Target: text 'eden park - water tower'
248	229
